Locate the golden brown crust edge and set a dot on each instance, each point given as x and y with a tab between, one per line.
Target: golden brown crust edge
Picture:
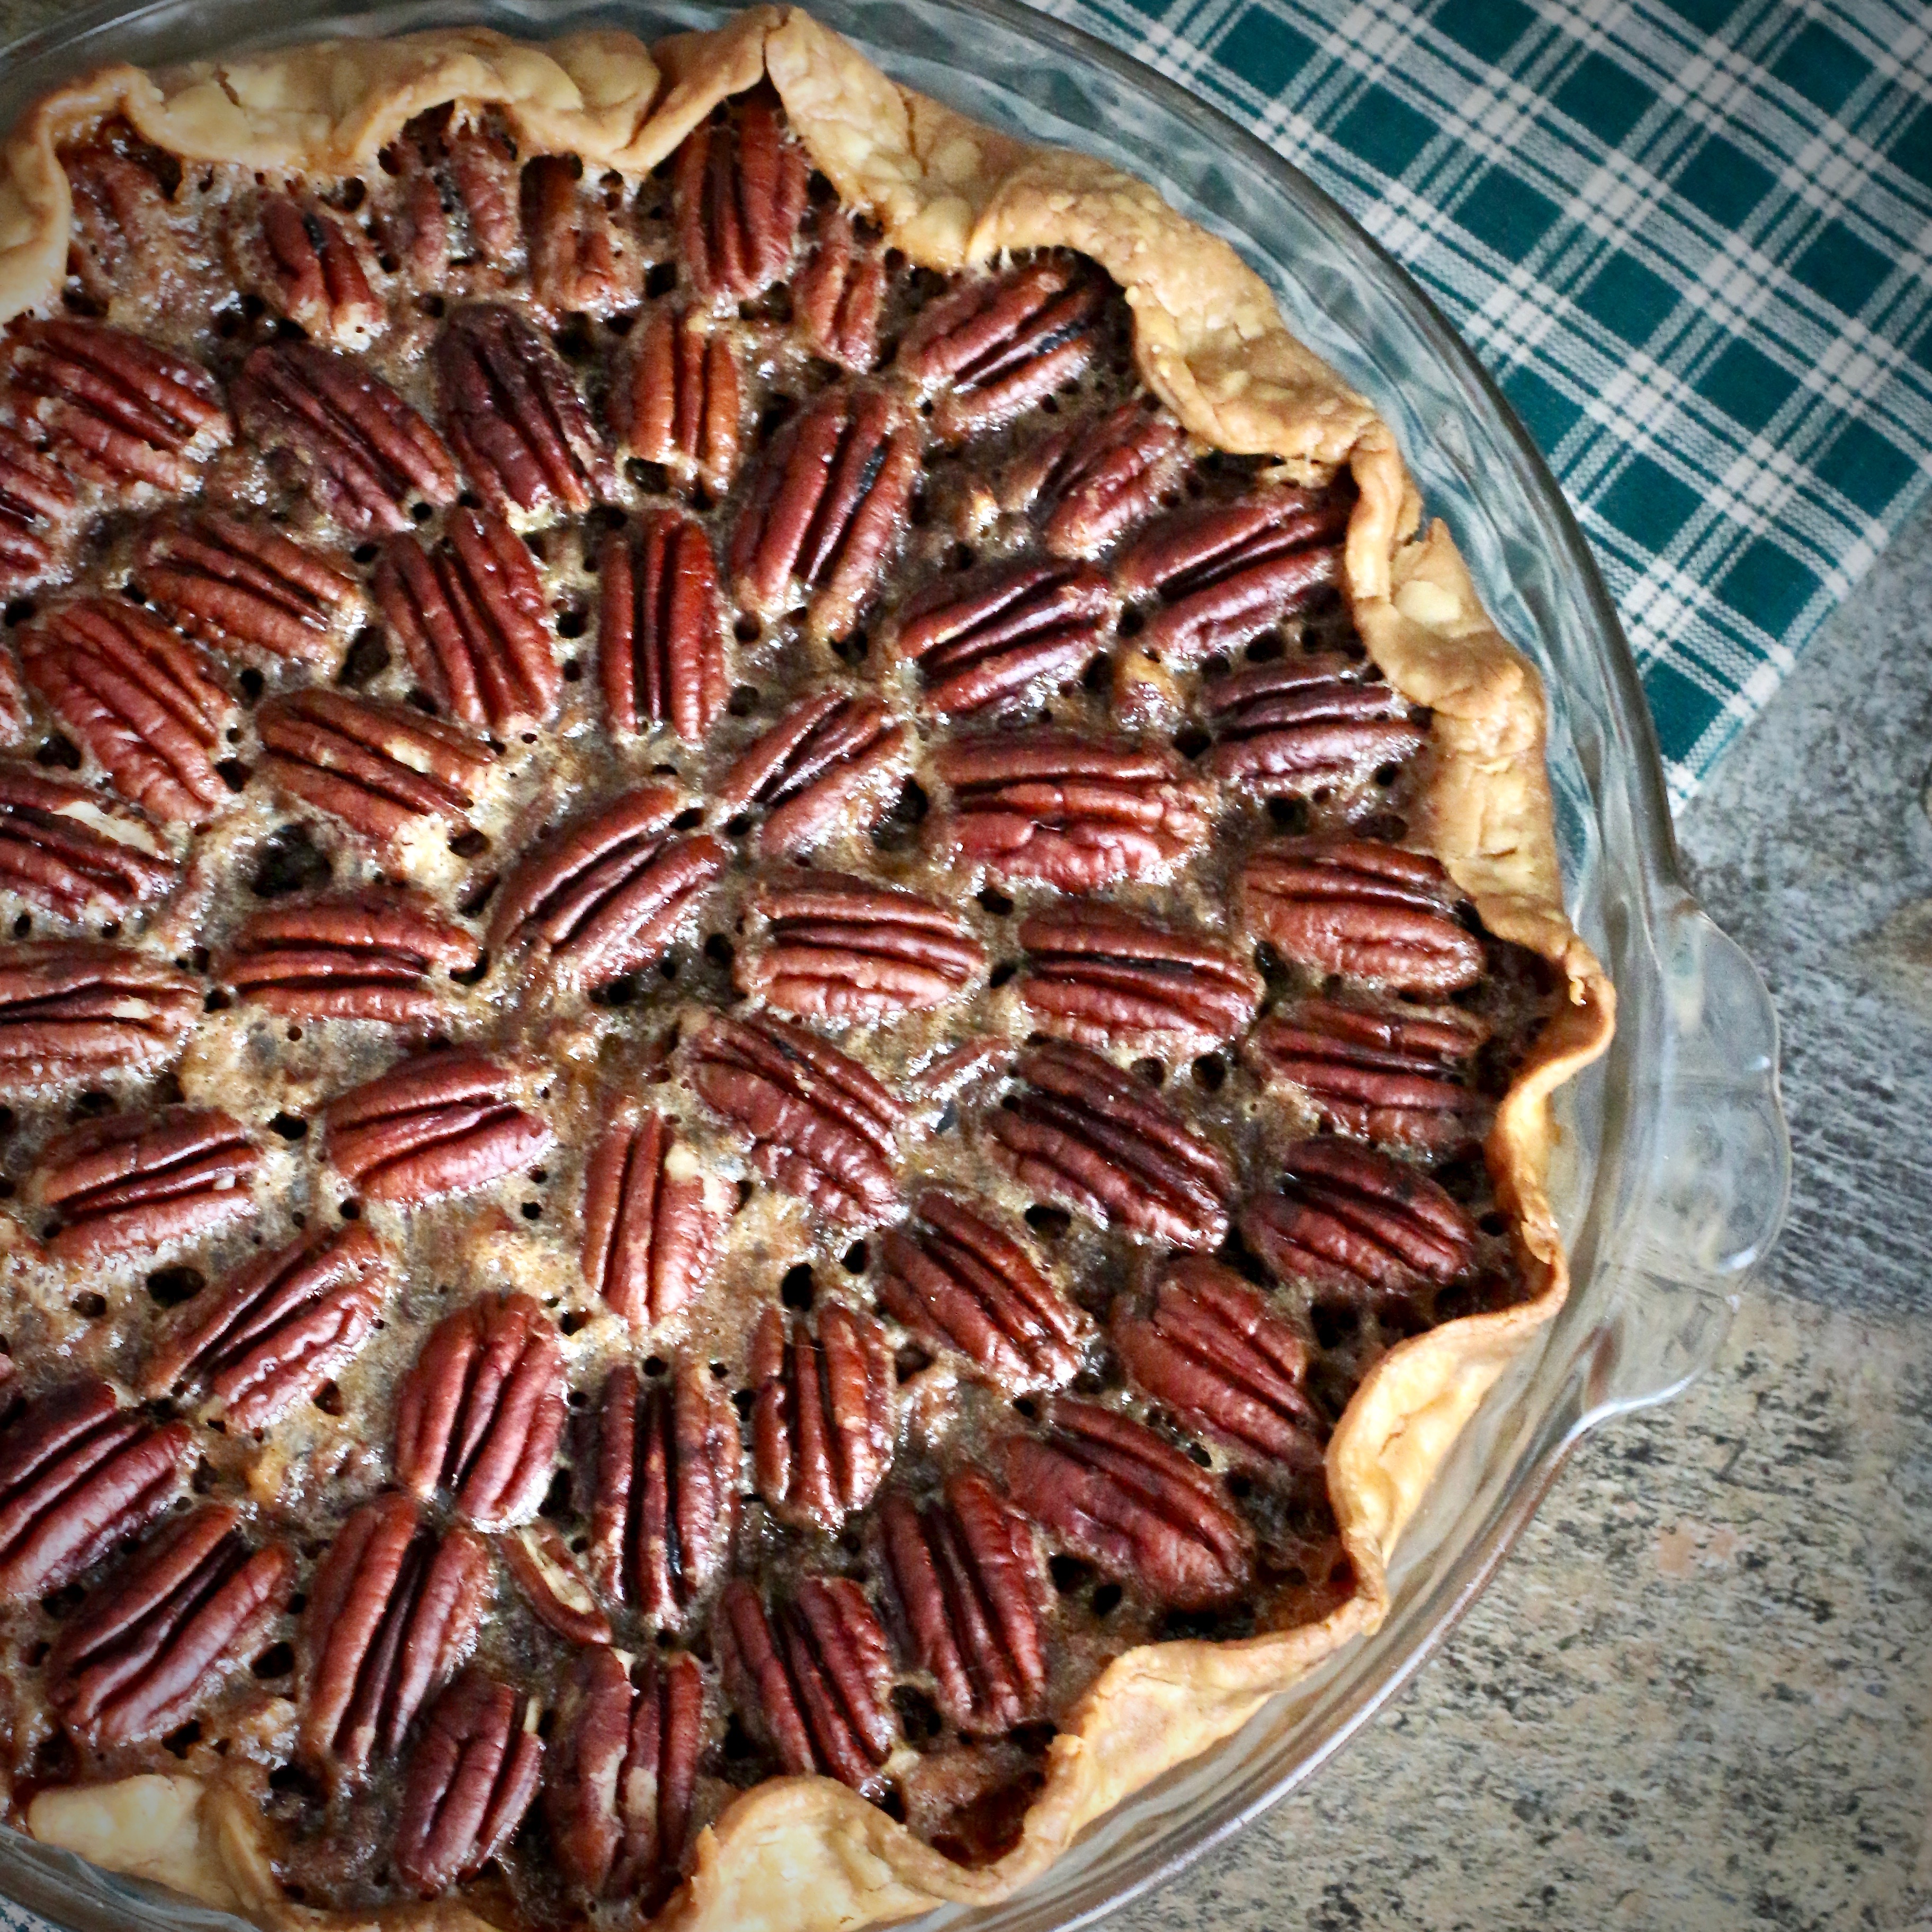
807	1853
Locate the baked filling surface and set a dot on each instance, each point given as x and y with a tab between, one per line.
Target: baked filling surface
782	986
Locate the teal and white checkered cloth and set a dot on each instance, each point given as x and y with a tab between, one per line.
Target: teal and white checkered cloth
1691	239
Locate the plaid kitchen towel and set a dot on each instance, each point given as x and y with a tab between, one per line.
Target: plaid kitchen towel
1690	238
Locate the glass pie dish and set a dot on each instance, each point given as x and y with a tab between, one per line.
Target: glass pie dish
1670	1178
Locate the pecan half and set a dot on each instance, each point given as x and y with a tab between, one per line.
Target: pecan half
438	1123
1371	911
1079	1131
814	1676
261	1338
829	502
678	401
113	408
309	265
822	1425
71	1011
515	419
738	186
958	1279
618	1786
1090	484
243	587
661	628
830	764
1108	979
36	503
999	638
653	1219
456	213
611	895
1224	1361
134	1181
380	768
835	296
373	955
125	246
471	1778
393	1611
1111	1490
1395	1076
1304	724
999	344
539	1557
150	1645
368	456
833	947
481	1413
1075	813
667	1474
1227	573
968	1582
470	613
69	851
584	260
77	1476
139	696
1357	1224
821	1126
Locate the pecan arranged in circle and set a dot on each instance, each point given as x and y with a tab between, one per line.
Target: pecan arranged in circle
956	1278
1226	573
996	640
1079	1131
36	502
456	217
679	400
612	895
1392	1076
1224	1361
738	186
653	1219
538	1556
667	1499
618	1786
470	614
369	456
276	1330
1108	979
584	260
1357	1224
393	1611
1078	814
820	1126
471	1778
114	408
1113	1491
1088	486
830	764
661	628
828	502
380	768
437	1124
72	1011
997	345
126	245
1369	910
969	1586
131	1182
312	266
813	1674
77	1476
373	955
67	850
822	1426
835	947
244	586
141	699
1303	723
481	1413
150	1645
837	294
515	419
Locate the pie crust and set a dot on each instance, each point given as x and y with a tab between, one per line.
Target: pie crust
808	1853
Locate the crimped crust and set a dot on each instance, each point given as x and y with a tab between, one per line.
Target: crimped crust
808	1853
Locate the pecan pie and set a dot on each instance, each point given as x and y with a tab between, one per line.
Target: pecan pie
784	977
